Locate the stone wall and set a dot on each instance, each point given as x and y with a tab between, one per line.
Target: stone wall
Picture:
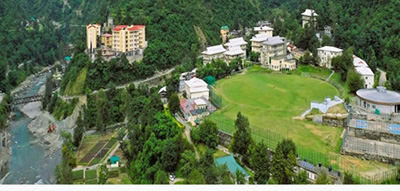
335	122
371	157
375	135
224	138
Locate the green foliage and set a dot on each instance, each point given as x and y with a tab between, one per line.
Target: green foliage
48	91
79	130
254	56
4	111
174	103
259	161
302	177
323	178
348	178
354	81
240	177
170	155
242	136
161	178
342	63
308	59
206	133
63	171
283	163
217	68
103	174
327	41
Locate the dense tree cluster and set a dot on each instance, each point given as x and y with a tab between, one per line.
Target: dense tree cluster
206	133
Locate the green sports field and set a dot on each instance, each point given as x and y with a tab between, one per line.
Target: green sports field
271	101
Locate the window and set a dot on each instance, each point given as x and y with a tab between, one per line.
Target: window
366	77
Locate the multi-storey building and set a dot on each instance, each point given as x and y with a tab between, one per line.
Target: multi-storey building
106	40
307	16
257	40
366	73
127	39
213	53
264	29
234	52
92	32
326	54
237	42
273	54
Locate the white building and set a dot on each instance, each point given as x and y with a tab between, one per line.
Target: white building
326	54
233	53
307	16
257	40
379	100
196	88
264	29
237	42
362	68
213	53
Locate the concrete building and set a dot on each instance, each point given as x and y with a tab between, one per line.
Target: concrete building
127	39
257	40
92	32
233	53
106	40
326	54
213	53
273	55
196	109
196	88
237	42
264	29
307	16
224	33
362	68
379	100
326	104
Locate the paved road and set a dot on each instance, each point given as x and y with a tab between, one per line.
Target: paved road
187	133
158	75
383	78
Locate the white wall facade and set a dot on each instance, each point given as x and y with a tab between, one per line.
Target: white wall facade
384	109
326	58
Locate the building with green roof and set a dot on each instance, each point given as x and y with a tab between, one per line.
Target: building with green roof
232	165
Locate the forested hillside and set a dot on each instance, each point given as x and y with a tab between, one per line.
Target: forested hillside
26	42
370	27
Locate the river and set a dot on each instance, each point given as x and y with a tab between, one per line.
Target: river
29	163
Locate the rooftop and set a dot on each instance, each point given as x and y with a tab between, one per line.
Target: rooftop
330	49
200	102
224	27
274	40
235	50
214	50
232	165
235	42
260	37
263	28
357	62
107	35
379	95
364	70
130	28
309	12
195	82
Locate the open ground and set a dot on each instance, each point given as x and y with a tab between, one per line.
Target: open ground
270	101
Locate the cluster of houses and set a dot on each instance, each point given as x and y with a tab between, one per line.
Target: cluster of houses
127	39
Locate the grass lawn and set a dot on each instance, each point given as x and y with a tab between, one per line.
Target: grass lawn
121	179
92	181
94	161
270	101
219	153
76	175
88	143
90	174
76	87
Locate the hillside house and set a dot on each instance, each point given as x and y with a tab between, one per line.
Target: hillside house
326	54
257	40
196	88
264	29
237	42
194	110
273	54
233	53
362	68
213	53
308	16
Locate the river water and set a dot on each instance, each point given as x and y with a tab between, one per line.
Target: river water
29	163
